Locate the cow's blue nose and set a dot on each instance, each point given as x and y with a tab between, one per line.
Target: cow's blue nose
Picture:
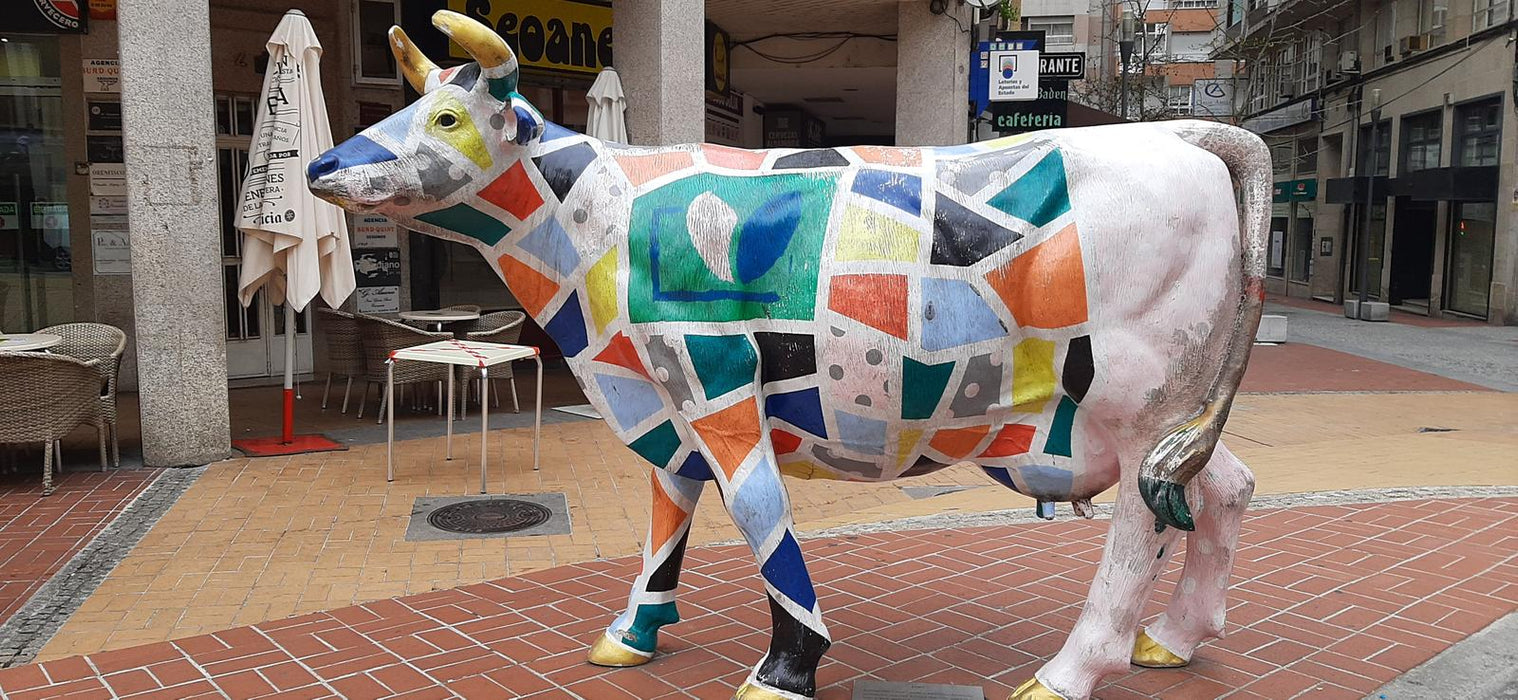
325	164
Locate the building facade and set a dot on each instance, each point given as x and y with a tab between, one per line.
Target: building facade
124	136
1392	124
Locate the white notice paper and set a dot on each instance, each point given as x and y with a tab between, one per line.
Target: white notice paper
112	249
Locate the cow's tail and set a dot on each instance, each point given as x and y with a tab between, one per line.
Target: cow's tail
1183	451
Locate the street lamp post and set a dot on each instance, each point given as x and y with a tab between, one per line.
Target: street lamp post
1126	32
1371	154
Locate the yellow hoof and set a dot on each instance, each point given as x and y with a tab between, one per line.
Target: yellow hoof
606	652
1033	690
1149	654
749	691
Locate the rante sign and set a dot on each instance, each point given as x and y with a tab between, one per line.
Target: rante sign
565	36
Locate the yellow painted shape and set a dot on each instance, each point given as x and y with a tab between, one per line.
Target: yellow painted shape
461	134
1032	375
867	235
601	287
1005	141
906	441
805	469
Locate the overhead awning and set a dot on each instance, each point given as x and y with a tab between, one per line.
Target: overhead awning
1454	184
1352	190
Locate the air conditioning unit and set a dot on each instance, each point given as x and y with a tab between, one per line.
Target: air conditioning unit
1412	44
1349	62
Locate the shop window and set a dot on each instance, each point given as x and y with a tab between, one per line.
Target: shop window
1478	131
1307	156
1276	260
1301	244
1421	136
1381	150
1488	13
373	63
1376	248
1470	258
1058	31
36	252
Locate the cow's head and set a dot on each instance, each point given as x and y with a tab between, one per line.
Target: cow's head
468	127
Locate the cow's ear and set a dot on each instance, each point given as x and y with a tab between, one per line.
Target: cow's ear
523	122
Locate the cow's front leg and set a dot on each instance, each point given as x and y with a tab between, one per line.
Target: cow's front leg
761	508
1103	636
631	639
1197	607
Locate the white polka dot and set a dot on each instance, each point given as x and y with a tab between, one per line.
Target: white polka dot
1188	585
971	390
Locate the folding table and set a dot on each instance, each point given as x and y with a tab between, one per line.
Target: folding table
469	353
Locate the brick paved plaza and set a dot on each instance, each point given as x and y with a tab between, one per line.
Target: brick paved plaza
293	576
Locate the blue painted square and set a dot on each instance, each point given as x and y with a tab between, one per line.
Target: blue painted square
759	504
786	571
900	190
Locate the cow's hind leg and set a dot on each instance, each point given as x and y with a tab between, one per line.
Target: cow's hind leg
631	639
1102	639
1197	607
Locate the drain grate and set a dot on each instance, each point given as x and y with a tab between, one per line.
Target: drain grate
489	516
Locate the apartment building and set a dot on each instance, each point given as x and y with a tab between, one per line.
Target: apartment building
1392	126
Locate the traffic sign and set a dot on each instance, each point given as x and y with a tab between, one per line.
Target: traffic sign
1065	66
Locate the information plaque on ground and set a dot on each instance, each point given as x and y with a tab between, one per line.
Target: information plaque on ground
883	690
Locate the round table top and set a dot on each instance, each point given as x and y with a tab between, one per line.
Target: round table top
18	342
440	315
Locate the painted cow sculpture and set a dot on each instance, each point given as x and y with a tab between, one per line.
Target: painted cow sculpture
1068	310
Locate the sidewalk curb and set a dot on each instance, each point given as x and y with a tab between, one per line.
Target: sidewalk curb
1483	665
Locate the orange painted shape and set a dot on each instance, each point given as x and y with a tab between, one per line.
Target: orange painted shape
528	285
958	442
886	155
1045	287
641	169
734	158
784	443
620	352
514	192
877	301
730	433
1012	439
667	515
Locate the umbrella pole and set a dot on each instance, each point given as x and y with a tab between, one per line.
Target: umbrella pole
287	436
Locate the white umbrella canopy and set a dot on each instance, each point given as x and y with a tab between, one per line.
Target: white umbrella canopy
295	245
608	105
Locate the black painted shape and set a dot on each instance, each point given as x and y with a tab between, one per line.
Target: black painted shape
563	167
667	576
923	465
795	651
1079	368
785	356
815	158
466	76
962	238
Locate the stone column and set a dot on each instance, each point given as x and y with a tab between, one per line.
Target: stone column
932	74
660	55
169	132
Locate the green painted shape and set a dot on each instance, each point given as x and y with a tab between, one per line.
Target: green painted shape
643	635
1040	195
669	281
464	219
922	386
658	445
723	362
1059	430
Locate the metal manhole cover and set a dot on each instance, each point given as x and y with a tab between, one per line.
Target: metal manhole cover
493	515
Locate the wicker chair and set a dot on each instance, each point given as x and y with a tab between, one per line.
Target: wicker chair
43	397
382	337
344	354
497	327
101	345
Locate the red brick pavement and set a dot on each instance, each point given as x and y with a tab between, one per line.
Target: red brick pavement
38	535
1301	368
1330	602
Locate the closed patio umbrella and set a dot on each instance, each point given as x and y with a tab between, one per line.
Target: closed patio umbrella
295	246
607	120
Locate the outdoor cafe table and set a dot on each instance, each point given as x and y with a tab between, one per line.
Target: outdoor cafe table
28	342
440	317
468	353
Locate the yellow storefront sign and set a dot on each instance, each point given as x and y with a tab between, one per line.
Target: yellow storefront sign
565	36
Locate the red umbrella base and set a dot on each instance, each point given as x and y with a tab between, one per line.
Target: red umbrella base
273	446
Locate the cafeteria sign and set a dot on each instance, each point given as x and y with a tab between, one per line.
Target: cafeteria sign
564	36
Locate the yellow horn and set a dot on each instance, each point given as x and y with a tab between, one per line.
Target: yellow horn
487	47
414	65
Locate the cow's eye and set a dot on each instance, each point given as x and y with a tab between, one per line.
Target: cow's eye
447	120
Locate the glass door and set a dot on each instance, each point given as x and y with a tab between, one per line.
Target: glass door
1470	258
36	261
256	334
